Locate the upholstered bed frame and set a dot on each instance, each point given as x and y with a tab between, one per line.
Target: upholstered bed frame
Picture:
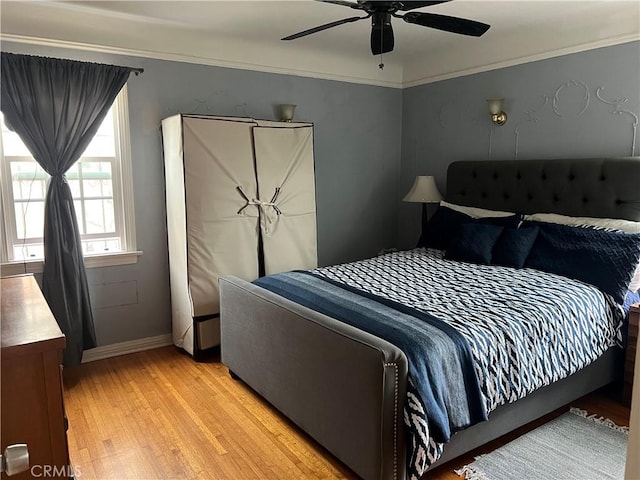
346	388
606	188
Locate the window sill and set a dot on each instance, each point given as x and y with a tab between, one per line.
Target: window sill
90	261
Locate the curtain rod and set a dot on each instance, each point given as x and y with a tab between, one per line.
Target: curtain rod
135	70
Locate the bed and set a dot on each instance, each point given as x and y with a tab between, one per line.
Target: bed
348	388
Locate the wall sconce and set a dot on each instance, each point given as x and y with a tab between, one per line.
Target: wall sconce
498	117
424	190
286	112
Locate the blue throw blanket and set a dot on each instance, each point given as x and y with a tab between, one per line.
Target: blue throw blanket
441	369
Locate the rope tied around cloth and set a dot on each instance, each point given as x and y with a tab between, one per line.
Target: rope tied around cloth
263	207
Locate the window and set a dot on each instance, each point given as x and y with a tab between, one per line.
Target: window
101	186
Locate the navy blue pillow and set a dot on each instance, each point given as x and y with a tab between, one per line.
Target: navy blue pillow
473	242
443	226
513	246
604	259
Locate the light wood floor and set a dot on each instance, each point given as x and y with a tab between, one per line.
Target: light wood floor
158	414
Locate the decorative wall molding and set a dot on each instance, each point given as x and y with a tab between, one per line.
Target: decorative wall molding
618	111
533	115
571	83
124	348
490	142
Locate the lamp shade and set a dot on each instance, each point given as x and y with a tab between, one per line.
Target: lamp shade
286	112
423	190
495	105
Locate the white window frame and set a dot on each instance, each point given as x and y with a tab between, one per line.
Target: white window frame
122	181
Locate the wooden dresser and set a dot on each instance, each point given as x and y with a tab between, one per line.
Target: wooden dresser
632	344
32	402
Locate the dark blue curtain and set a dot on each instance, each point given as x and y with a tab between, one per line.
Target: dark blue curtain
56	107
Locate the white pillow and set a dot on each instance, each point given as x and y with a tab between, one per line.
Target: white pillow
634	286
475	212
626	226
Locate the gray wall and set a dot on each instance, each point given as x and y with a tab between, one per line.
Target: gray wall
359	134
357	154
447	121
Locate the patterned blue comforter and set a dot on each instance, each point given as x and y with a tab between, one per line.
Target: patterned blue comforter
526	329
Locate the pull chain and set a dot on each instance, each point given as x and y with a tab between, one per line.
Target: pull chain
381	65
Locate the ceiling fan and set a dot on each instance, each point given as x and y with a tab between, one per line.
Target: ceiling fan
381	30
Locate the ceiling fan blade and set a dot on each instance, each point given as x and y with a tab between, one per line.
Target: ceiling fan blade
324	27
344	4
381	34
446	23
411	5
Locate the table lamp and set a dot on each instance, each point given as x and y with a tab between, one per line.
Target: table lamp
424	190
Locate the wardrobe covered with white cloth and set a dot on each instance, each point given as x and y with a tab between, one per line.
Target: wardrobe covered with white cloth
240	197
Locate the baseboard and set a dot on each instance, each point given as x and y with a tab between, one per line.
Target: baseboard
124	348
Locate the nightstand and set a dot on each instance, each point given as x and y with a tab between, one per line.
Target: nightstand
629	362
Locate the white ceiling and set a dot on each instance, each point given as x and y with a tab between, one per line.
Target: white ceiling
246	34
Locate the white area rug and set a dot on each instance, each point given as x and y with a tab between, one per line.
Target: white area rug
573	446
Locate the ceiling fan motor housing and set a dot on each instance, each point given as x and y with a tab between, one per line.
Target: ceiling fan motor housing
382	40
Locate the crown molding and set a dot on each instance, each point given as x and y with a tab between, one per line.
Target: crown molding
608	42
199	60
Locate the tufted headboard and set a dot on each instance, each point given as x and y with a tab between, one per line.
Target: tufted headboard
599	187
